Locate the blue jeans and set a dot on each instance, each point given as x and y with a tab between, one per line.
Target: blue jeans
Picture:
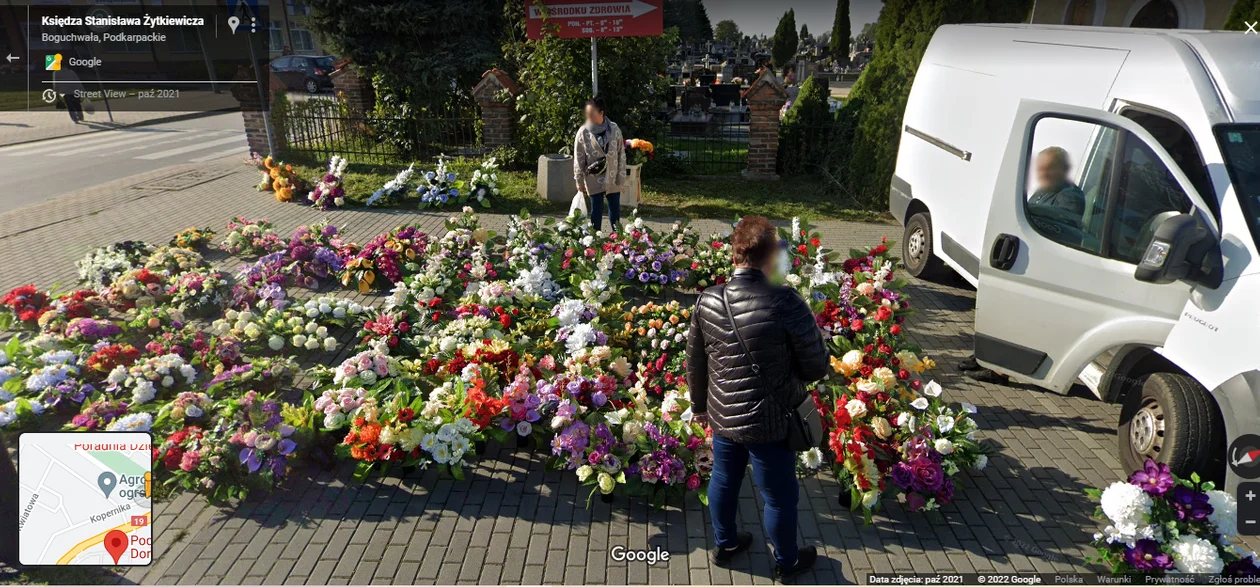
774	472
597	209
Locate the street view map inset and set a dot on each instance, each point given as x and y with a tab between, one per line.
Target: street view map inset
85	498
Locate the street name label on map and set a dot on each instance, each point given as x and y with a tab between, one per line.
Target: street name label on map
86	498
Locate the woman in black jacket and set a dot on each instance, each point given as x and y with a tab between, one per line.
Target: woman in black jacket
746	408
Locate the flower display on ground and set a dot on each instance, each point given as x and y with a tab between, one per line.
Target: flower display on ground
1158	523
328	192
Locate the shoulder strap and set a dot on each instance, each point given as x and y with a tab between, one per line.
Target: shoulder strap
756	368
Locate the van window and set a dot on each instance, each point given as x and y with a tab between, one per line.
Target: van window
1184	150
1098	189
1146	194
1069	174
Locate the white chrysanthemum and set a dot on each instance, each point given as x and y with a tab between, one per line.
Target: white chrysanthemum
1192	554
1126	504
944	446
1224	512
982	461
139	422
812	458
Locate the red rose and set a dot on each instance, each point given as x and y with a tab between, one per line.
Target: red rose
882	314
172	457
903	374
895	330
505	320
803	249
814	241
857	325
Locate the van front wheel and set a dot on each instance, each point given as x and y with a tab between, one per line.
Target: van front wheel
1171	419
917	247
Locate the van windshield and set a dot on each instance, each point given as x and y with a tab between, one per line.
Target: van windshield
1241	146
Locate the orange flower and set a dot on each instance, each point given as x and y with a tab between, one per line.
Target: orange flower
370	433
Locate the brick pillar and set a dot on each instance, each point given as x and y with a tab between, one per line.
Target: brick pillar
354	89
766	96
252	109
495	94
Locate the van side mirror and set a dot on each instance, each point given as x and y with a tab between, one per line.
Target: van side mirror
1182	248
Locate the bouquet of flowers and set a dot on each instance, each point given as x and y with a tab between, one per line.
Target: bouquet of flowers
276	177
712	263
941	443
653	260
250	238
100	267
256	428
25	304
658	339
91	330
198	292
642	146
328	192
1158	523
485	182
174	260
198	460
440	186
137	288
386	260
149	378
99	415
106	358
60	312
394	189
186	409
193	238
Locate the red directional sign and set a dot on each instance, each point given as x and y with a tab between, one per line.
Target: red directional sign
583	19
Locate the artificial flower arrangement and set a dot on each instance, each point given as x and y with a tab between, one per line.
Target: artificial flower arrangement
440	187
328	192
394	189
650	259
642	146
198	292
24	306
103	265
173	260
484	183
250	238
711	264
1158	523
386	259
658	340
193	238
276	177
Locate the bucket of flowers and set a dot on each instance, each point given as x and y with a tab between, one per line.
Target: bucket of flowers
1158	523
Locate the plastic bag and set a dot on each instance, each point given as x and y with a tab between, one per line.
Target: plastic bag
578	205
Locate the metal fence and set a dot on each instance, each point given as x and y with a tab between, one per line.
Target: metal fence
322	128
714	144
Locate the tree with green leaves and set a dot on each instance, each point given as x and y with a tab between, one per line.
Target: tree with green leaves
555	77
421	55
841	30
877	101
1243	12
727	32
690	18
805	36
784	43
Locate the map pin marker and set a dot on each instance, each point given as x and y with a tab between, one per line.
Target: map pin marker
107	481
116	544
233	22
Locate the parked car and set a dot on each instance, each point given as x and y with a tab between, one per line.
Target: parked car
1099	188
304	72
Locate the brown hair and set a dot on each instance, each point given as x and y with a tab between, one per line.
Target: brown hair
753	242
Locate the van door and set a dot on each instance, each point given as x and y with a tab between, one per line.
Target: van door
1078	197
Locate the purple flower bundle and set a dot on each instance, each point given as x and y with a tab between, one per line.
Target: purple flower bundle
91	329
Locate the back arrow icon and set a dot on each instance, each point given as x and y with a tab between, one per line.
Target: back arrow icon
11	58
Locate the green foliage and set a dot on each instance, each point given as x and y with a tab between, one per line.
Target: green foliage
840	32
1243	12
425	55
878	99
555	75
690	18
804	36
728	32
785	40
811	139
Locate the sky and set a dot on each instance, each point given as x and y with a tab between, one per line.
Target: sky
759	17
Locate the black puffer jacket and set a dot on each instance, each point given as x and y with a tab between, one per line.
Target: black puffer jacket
784	340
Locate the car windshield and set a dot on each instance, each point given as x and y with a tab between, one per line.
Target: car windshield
324	63
1241	147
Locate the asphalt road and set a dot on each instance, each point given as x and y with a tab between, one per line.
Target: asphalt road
41	170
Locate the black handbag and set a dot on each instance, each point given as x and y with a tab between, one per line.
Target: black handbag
804	424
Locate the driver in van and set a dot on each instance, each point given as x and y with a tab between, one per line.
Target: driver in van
1054	189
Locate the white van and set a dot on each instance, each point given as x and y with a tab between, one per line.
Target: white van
1101	190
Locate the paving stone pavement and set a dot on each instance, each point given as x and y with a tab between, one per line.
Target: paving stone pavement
512	521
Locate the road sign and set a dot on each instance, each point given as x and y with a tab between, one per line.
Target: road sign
582	19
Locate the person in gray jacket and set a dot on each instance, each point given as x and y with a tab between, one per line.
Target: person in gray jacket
599	163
